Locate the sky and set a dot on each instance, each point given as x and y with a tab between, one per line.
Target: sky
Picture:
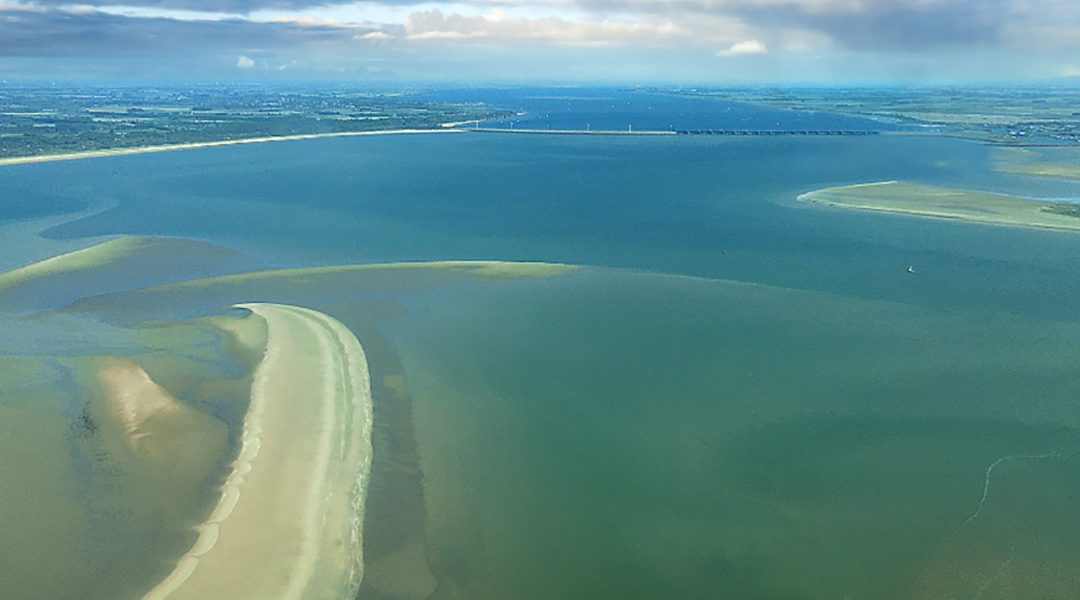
520	41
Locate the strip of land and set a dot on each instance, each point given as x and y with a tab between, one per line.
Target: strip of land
483	269
110	252
1041	169
20	160
968	205
288	524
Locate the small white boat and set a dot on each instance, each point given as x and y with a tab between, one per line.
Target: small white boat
911	269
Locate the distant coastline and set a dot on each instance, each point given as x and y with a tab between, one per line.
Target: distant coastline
40	158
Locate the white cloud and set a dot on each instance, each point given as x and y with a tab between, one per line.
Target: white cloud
20	7
744	48
1070	71
307	20
377	36
244	62
434	25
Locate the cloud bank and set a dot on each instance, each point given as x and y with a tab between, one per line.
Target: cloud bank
677	40
434	25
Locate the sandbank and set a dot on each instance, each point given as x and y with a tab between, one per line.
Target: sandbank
102	254
1051	163
481	268
121	263
154	426
288	522
967	205
21	160
24	242
1041	169
169	447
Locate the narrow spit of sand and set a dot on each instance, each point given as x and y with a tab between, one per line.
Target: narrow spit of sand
22	160
289	521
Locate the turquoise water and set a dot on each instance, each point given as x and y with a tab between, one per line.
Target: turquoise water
708	207
744	397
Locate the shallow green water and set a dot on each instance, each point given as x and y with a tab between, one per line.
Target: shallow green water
621	435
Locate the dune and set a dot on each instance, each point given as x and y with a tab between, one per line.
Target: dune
288	523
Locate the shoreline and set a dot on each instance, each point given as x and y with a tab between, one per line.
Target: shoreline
44	158
307	430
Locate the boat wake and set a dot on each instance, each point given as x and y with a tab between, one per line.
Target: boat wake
989	475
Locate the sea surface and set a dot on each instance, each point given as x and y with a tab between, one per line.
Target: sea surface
739	396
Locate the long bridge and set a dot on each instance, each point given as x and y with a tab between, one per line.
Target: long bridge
724	132
776	132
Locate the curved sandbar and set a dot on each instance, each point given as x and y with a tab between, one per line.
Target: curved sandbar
949	203
288	524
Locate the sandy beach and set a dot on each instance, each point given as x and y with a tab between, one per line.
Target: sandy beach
22	160
288	523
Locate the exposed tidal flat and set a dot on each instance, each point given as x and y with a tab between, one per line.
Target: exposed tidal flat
1059	162
743	396
948	203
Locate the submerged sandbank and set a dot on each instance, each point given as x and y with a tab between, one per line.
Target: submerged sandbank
113	251
21	160
288	523
488	269
1053	163
147	431
967	205
125	262
297	285
1040	169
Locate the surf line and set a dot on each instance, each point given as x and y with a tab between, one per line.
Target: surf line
989	476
